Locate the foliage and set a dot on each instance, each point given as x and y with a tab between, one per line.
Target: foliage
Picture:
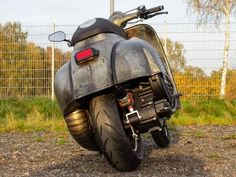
175	54
24	60
192	81
231	85
215	10
195	83
211	10
26	68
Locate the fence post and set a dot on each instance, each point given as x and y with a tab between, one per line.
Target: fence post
53	64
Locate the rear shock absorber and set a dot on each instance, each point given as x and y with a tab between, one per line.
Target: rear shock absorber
125	100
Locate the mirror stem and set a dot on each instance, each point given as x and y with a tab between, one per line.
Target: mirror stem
67	40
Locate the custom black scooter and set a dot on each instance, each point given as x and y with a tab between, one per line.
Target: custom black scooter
117	85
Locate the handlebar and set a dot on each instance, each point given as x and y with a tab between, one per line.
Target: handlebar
142	13
155	9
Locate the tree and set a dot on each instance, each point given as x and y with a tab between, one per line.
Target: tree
215	11
231	85
25	67
13	39
175	55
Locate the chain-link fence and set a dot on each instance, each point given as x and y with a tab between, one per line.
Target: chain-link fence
28	60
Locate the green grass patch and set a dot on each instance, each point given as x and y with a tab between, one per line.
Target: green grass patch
42	114
229	137
20	108
206	112
39	139
199	134
213	156
61	141
30	115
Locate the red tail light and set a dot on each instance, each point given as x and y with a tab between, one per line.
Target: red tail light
86	55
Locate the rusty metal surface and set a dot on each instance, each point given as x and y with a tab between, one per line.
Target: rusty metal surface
75	81
63	86
134	58
95	75
148	34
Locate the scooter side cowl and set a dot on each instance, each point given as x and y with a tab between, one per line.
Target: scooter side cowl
74	81
63	86
135	58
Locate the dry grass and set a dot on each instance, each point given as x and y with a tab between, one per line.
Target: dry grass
34	121
44	115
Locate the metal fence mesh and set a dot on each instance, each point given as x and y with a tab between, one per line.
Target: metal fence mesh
26	58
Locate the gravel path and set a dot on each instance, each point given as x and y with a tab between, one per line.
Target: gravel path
194	151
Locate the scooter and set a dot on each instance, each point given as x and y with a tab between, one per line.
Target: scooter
117	86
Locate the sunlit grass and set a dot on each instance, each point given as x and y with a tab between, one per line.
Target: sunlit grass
31	118
32	124
201	121
214	156
229	137
206	112
42	114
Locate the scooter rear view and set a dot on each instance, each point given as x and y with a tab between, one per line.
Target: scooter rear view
117	86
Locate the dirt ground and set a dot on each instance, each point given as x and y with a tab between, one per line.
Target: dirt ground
194	151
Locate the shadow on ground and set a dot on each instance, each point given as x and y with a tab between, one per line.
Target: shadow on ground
92	165
156	162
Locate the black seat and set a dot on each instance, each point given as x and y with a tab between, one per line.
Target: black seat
93	27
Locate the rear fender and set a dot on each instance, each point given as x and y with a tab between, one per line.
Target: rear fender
135	58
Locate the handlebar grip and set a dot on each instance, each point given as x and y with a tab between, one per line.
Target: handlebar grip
155	9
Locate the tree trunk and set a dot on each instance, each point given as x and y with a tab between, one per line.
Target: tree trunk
226	55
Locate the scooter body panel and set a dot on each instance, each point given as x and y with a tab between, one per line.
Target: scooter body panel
96	74
133	58
75	81
63	86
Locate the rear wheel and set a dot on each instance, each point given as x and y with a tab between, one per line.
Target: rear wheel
161	136
116	145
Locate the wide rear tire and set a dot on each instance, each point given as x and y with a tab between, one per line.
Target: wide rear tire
110	135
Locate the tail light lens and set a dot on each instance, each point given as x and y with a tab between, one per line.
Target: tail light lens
86	55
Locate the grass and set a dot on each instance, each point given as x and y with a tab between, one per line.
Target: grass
206	112
199	134
229	137
213	156
61	141
39	139
42	114
30	115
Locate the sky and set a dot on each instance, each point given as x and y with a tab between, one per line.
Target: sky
43	12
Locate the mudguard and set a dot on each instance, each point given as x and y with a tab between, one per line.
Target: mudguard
135	58
119	61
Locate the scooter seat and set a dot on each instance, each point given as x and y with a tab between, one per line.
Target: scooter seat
93	27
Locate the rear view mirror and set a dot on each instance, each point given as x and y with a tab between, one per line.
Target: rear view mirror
58	36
